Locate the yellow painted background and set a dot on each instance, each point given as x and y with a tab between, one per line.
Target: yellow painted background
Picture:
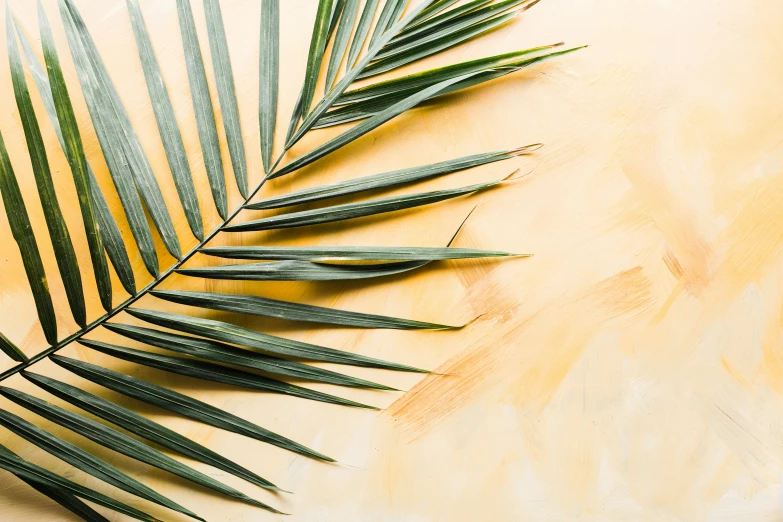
631	370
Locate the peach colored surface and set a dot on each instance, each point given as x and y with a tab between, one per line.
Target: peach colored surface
631	370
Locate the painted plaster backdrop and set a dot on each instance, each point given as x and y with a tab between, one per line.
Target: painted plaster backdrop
631	370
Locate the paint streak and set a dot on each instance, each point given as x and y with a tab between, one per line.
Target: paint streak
539	349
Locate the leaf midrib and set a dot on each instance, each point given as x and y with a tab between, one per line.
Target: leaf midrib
132	299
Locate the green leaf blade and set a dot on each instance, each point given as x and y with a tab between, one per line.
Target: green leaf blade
350	253
74	152
126	136
432	10
216	373
300	271
181	404
121	443
143	427
11	350
269	72
357	210
224	77
22	231
107	225
229	333
328	100
227	354
362	31
68	501
33	474
167	122
82	460
435	22
387	179
341	38
364	127
385	20
291	311
106	124
315	55
434	46
202	106
65	254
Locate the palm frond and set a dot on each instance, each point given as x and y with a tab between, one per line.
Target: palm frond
107	225
91	70
121	443
143	427
202	106
167	123
86	462
181	404
362	31
57	486
207	349
22	230
230	333
58	231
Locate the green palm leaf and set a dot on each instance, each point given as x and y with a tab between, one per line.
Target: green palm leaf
362	31
224	76
22	231
328	100
341	39
432	10
369	107
167	122
68	501
227	354
111	107
387	179
252	305
11	350
300	271
121	443
202	106
75	153
268	69
181	404
143	427
212	350
58	230
434	44
357	210
107	225
82	460
214	372
386	19
270	344
105	122
61	487
432	22
364	127
321	31
350	253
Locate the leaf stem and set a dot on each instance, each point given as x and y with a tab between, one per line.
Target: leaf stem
132	299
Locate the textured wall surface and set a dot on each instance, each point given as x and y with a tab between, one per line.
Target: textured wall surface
631	370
